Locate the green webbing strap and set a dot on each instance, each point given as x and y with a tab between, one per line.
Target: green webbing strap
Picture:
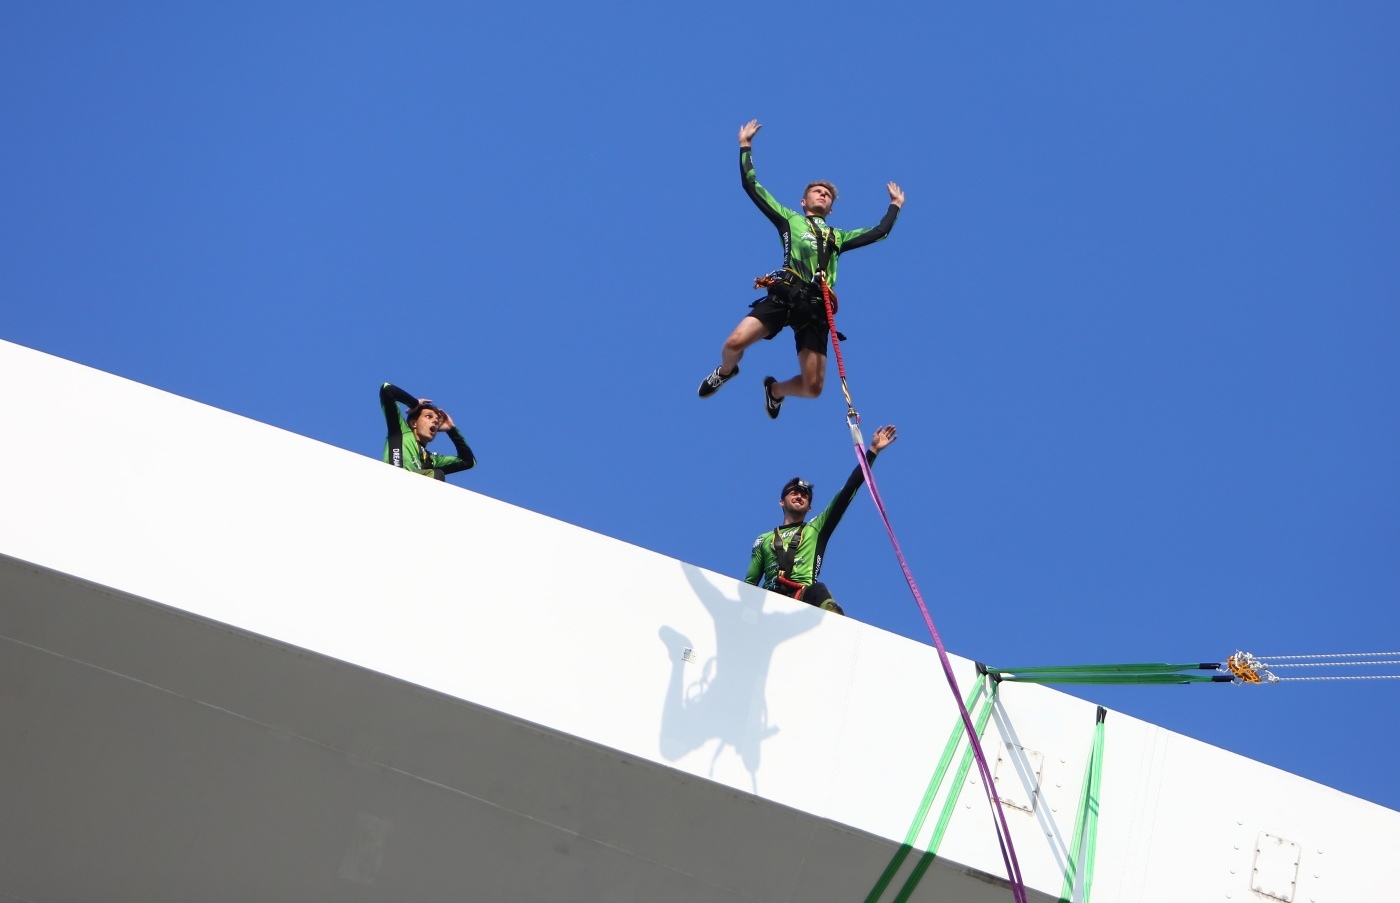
1084	838
1134	673
934	783
1116	678
949	804
1131	668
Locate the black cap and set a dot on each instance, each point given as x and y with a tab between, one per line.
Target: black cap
799	484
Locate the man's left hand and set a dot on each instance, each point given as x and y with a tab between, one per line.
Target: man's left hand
444	420
896	194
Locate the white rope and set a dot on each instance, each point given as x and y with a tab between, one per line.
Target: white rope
1345	677
1392	661
1264	666
1276	658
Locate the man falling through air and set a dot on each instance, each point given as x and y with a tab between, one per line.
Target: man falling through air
810	252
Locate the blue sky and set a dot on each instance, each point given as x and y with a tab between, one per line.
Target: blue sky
1137	324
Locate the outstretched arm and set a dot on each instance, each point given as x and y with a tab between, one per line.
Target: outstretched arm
859	238
825	523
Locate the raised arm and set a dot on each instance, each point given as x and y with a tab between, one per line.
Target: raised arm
464	459
825	523
747	131
764	201
850	239
390	397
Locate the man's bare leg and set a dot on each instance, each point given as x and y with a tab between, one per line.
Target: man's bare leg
806	384
749	330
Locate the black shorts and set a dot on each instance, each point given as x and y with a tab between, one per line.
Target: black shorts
811	331
817	594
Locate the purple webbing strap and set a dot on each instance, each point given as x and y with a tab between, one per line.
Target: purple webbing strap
1008	852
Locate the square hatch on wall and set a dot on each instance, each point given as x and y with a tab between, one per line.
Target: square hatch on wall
1017	776
1275	867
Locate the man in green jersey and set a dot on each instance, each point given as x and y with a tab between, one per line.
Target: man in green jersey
788	559
406	445
810	252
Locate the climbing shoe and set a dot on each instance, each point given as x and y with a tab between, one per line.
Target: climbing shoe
710	384
830	605
774	406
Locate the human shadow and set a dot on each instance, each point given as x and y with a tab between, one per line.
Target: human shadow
727	702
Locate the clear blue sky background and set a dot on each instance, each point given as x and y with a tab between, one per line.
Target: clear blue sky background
1137	323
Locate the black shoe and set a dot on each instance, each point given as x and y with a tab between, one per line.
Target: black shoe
774	406
710	384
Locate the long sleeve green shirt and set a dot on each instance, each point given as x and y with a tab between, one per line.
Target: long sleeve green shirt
797	230
401	446
763	558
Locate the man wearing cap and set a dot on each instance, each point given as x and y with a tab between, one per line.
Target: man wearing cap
788	559
408	436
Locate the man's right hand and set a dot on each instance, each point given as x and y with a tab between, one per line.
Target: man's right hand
883	437
747	131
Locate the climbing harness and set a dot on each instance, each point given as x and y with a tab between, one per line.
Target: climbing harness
786	558
801	299
786	561
791	587
426	468
826	242
786	279
1008	851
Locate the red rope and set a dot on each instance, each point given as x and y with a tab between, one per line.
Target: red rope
836	346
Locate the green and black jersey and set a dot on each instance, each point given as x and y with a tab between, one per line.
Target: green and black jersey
401	447
811	540
796	230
